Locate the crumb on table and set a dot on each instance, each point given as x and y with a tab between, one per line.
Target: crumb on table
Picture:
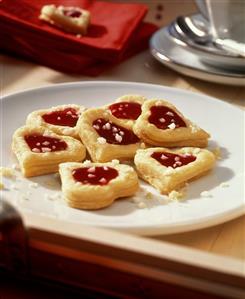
7	172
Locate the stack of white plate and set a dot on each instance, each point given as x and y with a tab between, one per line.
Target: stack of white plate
197	62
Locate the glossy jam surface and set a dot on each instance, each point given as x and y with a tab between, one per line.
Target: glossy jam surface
99	175
165	118
173	160
67	117
72	13
126	110
43	144
113	133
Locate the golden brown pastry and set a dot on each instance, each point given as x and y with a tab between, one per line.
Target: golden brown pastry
94	186
61	119
106	137
69	18
167	169
127	108
40	151
161	124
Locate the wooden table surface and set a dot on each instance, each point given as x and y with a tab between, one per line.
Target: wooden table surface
226	239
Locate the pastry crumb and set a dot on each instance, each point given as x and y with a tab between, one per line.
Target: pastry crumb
1	186
56	175
224	185
217	153
54	196
176	195
33	185
149	195
7	172
141	205
50	183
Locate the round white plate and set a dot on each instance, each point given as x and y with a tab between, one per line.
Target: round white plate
188	61
224	122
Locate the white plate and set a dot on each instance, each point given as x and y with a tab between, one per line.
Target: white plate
224	122
188	61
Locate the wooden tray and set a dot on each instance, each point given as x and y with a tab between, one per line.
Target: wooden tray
112	263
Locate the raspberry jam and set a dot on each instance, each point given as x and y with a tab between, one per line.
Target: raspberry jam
126	110
67	117
44	144
173	160
165	118
100	175
72	13
113	133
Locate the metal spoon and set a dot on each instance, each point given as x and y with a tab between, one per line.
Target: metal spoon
176	30
195	36
186	28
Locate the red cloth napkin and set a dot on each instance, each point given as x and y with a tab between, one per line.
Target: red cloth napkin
116	32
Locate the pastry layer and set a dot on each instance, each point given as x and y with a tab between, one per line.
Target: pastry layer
92	197
33	162
168	178
187	134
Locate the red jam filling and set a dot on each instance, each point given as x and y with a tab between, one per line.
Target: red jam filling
101	175
72	13
173	160
44	144
113	133
165	118
67	117
126	110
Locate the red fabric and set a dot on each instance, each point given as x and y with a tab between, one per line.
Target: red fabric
116	32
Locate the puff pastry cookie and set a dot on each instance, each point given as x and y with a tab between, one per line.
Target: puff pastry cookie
40	151
71	19
167	169
106	137
161	124
127	108
96	185
60	119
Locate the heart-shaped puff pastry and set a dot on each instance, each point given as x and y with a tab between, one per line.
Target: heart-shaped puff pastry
167	169
69	18
94	186
40	151
127	108
106	137
61	119
161	124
